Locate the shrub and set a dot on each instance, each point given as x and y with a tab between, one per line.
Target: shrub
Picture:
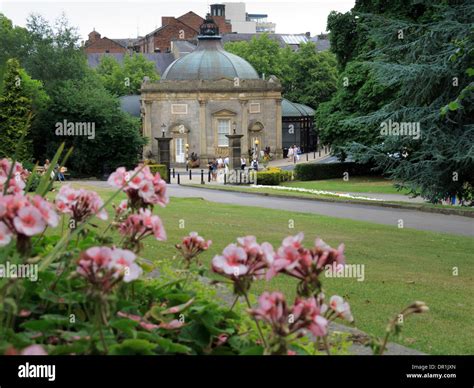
310	172
273	177
161	168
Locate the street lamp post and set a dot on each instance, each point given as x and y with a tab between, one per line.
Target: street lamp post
187	156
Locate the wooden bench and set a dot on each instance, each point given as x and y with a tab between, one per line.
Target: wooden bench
41	170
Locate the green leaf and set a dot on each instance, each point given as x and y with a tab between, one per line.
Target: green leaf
252	351
133	347
125	325
196	333
171	347
454	105
39	325
44	184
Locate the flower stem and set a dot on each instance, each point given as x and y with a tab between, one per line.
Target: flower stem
326	345
234	303
256	321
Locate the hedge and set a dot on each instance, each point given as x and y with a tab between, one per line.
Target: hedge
161	168
273	177
314	171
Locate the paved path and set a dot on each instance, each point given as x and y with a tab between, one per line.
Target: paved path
196	179
386	216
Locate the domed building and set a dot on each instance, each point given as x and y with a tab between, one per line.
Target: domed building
206	95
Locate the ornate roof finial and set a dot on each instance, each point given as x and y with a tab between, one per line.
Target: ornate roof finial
209	27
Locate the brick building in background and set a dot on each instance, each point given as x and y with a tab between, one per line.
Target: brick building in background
97	45
185	27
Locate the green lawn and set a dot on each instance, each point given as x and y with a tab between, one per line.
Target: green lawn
353	185
401	266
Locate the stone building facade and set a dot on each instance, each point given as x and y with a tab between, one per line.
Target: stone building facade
207	94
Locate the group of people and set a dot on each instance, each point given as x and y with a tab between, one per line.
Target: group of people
57	171
294	153
219	164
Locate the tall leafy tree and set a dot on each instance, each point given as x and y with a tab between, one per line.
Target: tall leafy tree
16	108
127	78
54	52
313	76
307	76
422	54
112	137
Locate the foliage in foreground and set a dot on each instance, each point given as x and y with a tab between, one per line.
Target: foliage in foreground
75	292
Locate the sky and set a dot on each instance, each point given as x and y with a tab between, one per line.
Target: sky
128	18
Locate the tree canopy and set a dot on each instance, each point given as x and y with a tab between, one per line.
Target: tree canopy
124	79
406	63
307	76
57	87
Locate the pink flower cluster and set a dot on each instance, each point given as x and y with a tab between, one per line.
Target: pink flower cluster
247	259
80	204
295	260
305	314
141	186
192	245
26	216
103	267
19	176
139	226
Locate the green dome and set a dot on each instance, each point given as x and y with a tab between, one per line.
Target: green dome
292	109
209	62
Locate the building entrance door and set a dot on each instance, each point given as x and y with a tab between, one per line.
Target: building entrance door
255	145
180	150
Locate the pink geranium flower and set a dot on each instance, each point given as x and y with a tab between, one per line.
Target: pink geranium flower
141	186
104	267
139	226
18	177
285	321
124	262
293	259
243	263
24	217
80	204
29	221
246	259
192	245
34	350
5	235
341	308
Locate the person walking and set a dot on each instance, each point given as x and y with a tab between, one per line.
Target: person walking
290	153
243	163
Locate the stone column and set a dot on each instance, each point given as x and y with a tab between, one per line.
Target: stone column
244	127
203	132
279	131
234	151
164	152
146	123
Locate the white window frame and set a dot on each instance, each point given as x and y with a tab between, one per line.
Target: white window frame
222	133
